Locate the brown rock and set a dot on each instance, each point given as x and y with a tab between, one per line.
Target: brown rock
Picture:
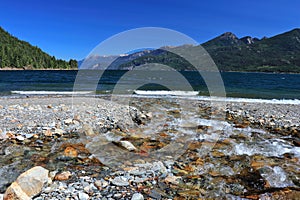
172	180
189	193
258	164
71	152
48	133
296	142
63	176
244	124
77	118
217	154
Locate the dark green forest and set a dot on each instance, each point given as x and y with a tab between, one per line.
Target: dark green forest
15	53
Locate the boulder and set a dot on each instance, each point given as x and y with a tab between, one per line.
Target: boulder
28	184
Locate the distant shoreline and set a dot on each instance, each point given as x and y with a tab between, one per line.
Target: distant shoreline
23	69
77	69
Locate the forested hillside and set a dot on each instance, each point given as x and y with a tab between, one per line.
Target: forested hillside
15	53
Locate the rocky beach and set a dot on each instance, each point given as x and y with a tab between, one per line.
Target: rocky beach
58	147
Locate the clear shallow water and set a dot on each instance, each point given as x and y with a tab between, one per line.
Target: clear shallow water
237	84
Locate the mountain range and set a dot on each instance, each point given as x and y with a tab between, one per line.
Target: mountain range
280	53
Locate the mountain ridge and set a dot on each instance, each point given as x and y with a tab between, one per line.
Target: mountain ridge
279	53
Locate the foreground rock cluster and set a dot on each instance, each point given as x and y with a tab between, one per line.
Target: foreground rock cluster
84	148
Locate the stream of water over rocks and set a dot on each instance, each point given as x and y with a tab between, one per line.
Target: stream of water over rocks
158	148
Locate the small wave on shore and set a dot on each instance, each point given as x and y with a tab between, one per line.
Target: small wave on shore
193	95
165	92
51	92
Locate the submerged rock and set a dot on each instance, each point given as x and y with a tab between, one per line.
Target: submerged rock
88	130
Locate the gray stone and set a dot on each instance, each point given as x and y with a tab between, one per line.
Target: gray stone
137	196
118	195
120	181
83	196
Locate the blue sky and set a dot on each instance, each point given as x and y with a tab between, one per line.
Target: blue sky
72	28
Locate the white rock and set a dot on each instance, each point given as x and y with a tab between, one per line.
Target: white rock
20	138
104	183
3	136
128	145
120	181
68	121
137	196
149	115
59	131
29	135
83	196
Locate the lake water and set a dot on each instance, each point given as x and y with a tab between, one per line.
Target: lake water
237	84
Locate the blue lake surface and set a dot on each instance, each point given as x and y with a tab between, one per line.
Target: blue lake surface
237	84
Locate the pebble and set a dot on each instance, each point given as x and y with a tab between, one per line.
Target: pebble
172	179
83	196
20	138
70	152
98	184
59	132
48	133
120	181
128	145
63	176
137	196
68	121
118	195
154	194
